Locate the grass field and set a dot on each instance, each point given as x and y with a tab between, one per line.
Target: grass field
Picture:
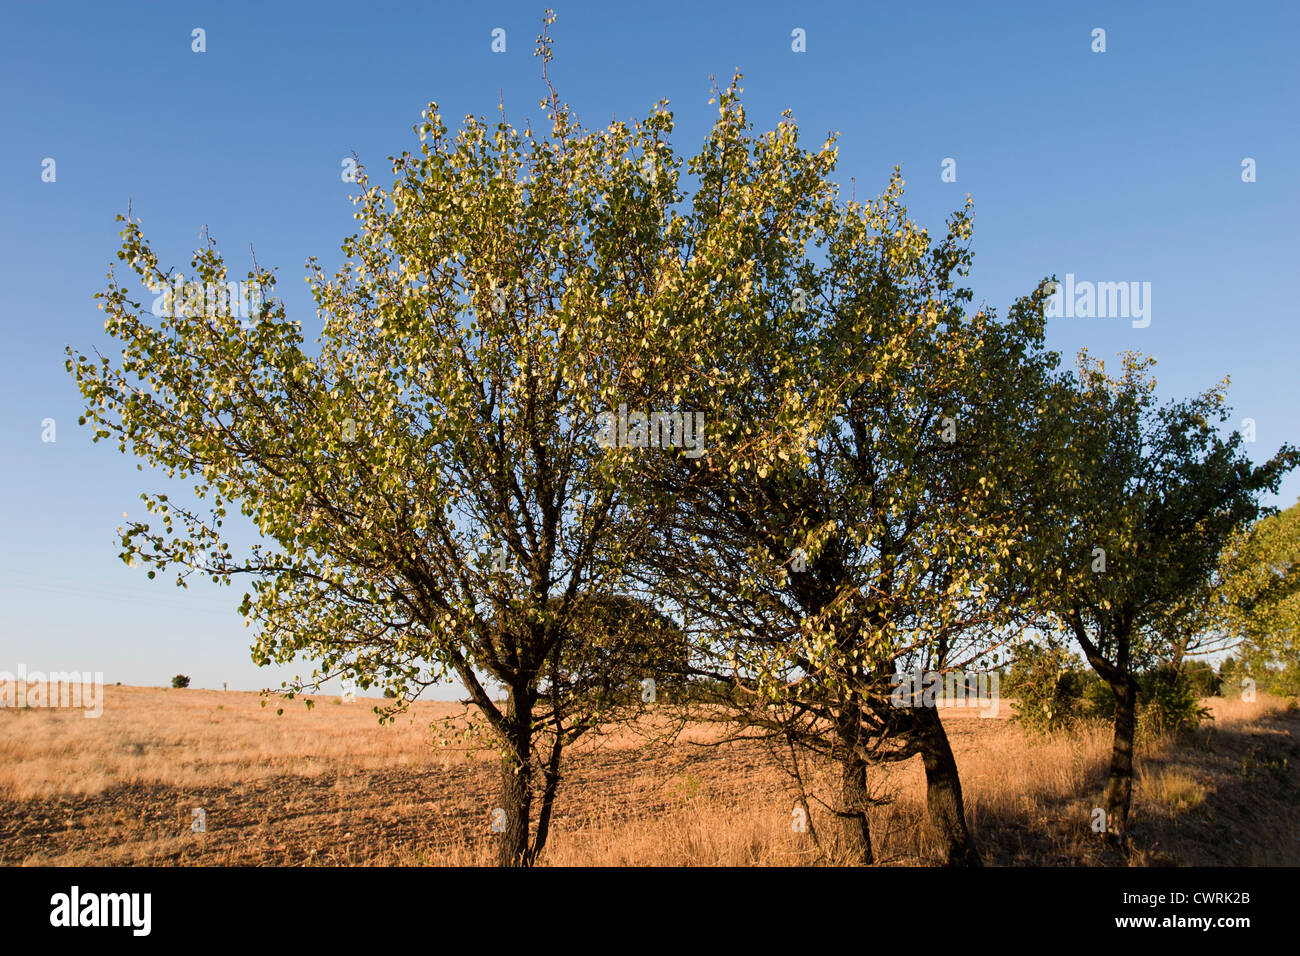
331	786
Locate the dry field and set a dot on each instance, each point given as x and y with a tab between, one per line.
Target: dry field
331	786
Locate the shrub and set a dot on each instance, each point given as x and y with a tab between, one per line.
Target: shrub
1227	669
1204	682
1047	683
180	680
1168	702
1099	699
1284	682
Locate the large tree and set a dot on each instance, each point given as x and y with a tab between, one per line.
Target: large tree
861	502
427	486
1147	497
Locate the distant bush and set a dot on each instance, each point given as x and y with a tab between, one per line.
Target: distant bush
1283	681
1168	702
1168	698
1047	683
1228	669
1054	691
1204	682
180	680
1269	678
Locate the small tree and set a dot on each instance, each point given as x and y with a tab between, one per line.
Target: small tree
1148	495
1202	679
180	680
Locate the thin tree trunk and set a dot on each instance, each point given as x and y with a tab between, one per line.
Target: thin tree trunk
1119	792
943	789
552	773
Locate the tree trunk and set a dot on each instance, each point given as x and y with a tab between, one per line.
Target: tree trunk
855	829
552	774
1119	792
943	789
516	783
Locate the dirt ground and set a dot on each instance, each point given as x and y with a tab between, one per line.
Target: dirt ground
331	786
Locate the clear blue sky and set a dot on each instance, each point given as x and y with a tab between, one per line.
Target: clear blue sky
1115	166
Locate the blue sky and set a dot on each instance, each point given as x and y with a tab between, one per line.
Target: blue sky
1122	166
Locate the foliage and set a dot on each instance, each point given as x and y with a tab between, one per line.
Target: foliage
1258	601
1202	679
837	556
1047	682
180	680
1147	498
427	489
1169	702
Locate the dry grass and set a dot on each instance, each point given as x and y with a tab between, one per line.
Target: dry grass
332	786
200	738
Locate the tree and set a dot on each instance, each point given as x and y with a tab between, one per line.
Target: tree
860	505
1148	496
430	496
1257	606
180	680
